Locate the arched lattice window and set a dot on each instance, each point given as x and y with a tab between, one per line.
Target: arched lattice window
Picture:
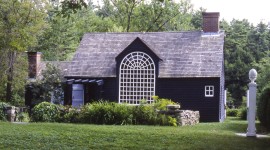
136	78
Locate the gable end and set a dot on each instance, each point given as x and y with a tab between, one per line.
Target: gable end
137	45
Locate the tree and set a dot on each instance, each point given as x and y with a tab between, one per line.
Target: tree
237	57
51	84
197	18
245	47
263	69
259	41
154	15
69	7
20	24
61	39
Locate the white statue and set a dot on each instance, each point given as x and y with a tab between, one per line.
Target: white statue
252	75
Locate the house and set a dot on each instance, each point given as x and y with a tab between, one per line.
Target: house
187	67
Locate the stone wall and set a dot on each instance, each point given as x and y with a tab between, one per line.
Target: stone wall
188	117
184	117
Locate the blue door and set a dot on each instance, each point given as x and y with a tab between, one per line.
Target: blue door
77	95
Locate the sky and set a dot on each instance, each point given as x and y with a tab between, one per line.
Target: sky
252	10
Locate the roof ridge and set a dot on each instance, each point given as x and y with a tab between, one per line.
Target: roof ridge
143	32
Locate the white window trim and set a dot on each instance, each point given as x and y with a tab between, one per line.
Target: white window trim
209	91
136	78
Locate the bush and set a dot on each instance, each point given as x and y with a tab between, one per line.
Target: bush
69	115
23	117
144	115
17	100
161	103
103	112
232	112
264	108
242	113
3	114
46	112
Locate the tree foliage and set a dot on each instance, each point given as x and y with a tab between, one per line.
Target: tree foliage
146	16
21	22
49	87
245	45
63	35
264	107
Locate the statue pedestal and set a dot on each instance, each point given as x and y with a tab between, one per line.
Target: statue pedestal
251	130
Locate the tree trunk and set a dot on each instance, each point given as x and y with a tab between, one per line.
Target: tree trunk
10	74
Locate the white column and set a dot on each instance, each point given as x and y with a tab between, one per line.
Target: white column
247	102
225	102
251	130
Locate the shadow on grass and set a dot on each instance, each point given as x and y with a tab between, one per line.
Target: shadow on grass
235	124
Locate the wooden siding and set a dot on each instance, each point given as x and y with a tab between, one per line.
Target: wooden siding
93	92
67	94
190	93
110	89
222	104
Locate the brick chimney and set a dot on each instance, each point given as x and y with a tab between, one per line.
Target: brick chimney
34	59
210	21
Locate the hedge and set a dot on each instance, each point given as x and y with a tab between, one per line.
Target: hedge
104	112
264	108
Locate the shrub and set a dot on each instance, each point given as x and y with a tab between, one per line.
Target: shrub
264	107
172	121
144	114
17	100
46	112
3	106
69	114
232	112
23	117
242	113
103	112
161	103
121	114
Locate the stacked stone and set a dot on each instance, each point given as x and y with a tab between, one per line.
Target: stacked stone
11	113
188	117
184	117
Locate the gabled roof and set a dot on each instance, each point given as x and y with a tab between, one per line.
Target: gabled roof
183	54
133	46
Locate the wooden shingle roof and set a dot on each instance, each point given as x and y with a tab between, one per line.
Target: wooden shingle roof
182	54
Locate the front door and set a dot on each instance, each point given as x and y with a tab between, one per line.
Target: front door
77	95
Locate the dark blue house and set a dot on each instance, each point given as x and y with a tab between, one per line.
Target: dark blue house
187	67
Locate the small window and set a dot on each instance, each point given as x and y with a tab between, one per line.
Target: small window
209	91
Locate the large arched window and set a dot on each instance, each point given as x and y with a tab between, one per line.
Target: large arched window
136	78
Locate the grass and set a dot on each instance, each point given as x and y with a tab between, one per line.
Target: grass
84	136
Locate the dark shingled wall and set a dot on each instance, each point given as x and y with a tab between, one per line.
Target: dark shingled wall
189	92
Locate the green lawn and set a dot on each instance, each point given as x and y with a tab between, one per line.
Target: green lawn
84	136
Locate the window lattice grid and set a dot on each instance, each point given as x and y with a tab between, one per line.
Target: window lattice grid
209	91
136	78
